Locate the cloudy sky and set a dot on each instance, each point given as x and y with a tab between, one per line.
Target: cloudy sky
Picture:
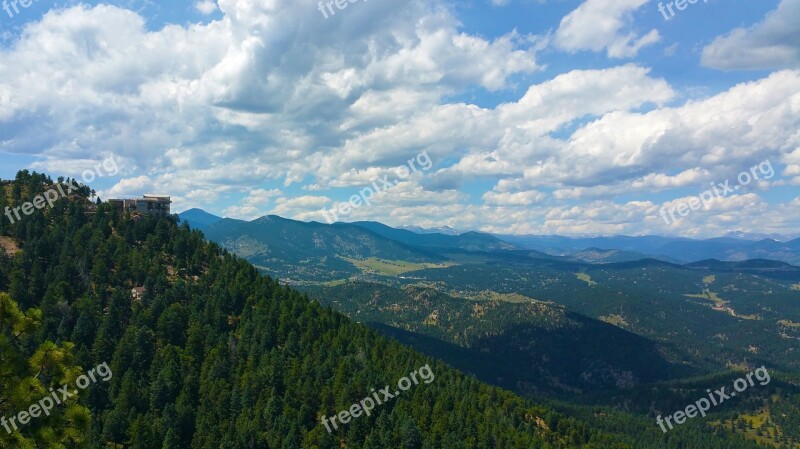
539	116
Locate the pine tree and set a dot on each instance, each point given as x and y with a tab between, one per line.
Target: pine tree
26	380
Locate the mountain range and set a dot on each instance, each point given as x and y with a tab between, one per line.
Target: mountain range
620	322
586	249
207	352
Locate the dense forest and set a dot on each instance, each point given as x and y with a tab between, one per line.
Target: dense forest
208	353
523	345
713	319
213	354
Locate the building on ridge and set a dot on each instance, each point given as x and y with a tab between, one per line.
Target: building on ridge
156	205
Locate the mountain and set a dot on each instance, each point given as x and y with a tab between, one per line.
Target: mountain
713	313
762	267
676	249
436	246
728	249
198	218
758	236
296	250
518	343
447	230
561	245
304	252
214	355
597	255
469	241
206	352
616	286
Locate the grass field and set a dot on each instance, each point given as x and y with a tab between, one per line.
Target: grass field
616	320
752	423
721	305
585	278
385	267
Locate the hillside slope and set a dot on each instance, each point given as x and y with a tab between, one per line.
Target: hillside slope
215	355
211	354
469	241
296	250
678	249
525	345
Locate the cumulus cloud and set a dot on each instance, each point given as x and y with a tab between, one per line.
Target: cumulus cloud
604	25
773	43
513	199
206	7
258	197
271	93
226	94
294	206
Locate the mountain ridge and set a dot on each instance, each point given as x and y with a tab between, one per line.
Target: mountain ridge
607	249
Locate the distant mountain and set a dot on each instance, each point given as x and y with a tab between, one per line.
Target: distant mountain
756	236
214	355
678	249
766	268
469	241
198	218
297	250
597	255
446	230
300	251
728	249
563	246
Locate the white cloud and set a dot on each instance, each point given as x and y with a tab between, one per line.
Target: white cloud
206	7
258	197
603	25
224	95
287	207
273	93
513	199
773	43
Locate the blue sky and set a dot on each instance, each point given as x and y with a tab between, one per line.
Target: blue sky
576	117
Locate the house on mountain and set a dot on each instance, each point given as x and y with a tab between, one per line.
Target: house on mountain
156	205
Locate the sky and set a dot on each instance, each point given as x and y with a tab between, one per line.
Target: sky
572	117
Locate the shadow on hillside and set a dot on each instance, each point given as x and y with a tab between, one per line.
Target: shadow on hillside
592	357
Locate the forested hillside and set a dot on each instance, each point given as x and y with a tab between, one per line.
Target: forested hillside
507	317
296	250
214	355
525	345
208	353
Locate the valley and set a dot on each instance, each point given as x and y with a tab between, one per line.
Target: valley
560	352
590	334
